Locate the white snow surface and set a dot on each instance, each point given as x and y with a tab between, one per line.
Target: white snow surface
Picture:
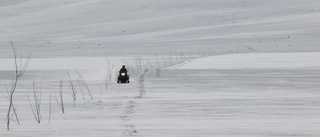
198	68
144	27
302	60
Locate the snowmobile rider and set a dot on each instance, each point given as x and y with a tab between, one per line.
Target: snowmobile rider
123	69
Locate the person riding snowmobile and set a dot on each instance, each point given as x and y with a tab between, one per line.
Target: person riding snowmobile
123	75
123	70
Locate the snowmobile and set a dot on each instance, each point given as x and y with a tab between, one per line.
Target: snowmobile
123	77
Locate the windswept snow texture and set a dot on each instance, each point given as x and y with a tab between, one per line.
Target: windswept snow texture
91	28
252	67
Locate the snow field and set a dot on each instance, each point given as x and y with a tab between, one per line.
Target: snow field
272	92
93	28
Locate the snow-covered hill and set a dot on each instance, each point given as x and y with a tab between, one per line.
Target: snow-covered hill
81	27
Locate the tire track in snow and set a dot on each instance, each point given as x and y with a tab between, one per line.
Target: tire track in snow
128	110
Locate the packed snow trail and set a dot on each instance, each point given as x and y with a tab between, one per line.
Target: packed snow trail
132	100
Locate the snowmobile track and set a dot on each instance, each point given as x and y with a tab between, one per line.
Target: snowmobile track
129	106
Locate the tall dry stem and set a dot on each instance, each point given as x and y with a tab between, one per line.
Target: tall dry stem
19	71
73	88
59	100
83	84
36	105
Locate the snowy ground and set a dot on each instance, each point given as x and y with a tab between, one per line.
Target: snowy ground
252	95
250	68
221	98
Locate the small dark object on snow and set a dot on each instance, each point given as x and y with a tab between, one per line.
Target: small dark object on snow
123	75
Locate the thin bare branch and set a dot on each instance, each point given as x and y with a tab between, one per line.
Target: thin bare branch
72	86
84	84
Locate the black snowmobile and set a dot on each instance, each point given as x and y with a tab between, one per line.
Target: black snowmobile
123	75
